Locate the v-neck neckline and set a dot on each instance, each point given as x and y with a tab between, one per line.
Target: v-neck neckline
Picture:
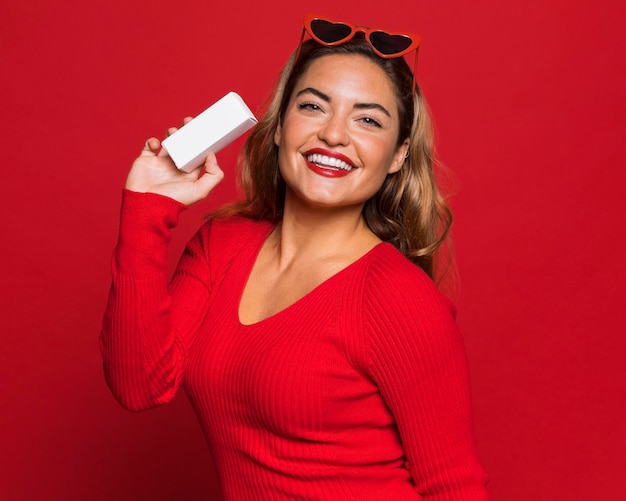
246	274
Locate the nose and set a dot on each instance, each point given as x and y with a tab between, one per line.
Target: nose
334	131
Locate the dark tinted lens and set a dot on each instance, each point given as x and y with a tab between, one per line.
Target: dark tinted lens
389	44
329	32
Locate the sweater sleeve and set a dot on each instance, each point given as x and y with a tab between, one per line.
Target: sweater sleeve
418	361
148	323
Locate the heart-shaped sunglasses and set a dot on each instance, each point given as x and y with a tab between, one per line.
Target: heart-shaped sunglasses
386	45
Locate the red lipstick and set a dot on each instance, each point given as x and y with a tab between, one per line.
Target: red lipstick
328	163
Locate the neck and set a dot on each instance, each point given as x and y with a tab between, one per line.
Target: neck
317	233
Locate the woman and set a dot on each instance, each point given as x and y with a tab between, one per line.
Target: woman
320	361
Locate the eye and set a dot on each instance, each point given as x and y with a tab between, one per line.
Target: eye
372	122
309	106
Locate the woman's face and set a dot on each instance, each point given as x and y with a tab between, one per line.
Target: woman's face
338	138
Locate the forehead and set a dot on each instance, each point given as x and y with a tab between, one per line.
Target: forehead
348	76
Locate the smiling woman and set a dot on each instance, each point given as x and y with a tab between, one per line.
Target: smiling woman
303	322
341	122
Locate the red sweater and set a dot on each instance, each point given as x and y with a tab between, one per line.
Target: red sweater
358	391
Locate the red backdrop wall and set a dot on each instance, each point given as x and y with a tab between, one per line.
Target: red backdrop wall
529	103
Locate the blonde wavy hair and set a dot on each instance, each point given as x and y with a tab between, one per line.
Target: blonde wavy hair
408	211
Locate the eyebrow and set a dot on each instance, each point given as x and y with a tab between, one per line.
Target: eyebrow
359	106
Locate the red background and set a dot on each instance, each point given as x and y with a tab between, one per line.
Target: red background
529	102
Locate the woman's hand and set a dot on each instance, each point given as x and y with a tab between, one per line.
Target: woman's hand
154	172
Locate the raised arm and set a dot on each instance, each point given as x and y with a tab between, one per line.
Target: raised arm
146	326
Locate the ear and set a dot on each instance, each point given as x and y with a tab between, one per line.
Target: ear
399	157
277	134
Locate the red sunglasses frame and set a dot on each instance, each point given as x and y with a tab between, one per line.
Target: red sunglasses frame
414	38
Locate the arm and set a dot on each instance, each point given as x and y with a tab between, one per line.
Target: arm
417	359
142	356
146	325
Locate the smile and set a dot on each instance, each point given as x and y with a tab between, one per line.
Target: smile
327	162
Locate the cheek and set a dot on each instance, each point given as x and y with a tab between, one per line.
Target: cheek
379	152
284	159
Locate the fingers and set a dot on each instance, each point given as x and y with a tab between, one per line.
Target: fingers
211	166
151	147
171	130
153	144
211	177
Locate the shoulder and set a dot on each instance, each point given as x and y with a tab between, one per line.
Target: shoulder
392	276
222	239
401	301
221	242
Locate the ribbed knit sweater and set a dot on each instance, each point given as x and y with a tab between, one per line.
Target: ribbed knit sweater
357	391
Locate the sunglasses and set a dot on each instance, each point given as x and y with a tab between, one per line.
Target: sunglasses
386	45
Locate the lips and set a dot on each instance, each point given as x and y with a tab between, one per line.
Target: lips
327	163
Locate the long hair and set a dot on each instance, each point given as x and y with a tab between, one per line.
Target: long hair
408	211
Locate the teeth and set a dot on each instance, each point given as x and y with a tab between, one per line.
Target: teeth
326	161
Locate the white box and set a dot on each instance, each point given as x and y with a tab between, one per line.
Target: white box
210	131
